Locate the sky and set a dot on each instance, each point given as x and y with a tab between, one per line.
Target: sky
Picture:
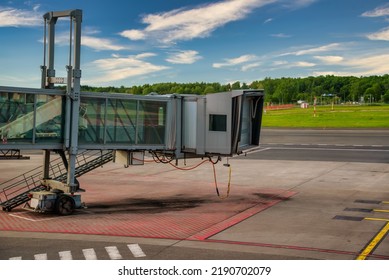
128	42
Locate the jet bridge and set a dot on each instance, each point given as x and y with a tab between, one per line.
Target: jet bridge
71	123
224	124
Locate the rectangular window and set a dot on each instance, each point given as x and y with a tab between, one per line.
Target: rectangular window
217	122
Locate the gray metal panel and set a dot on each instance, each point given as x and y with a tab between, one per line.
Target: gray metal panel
173	114
31	90
201	120
124	147
218	142
189	125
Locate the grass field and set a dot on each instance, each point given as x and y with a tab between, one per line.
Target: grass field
340	116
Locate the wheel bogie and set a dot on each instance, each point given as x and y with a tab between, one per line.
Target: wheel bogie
54	201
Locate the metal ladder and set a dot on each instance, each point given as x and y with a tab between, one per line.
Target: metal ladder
15	191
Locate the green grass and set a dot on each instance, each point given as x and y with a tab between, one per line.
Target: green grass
340	116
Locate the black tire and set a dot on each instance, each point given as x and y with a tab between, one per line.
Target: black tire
64	205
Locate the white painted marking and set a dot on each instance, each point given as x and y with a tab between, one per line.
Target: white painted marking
28	219
113	253
16	258
65	255
136	250
40	257
89	254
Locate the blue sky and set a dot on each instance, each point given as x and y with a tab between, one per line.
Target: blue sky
138	42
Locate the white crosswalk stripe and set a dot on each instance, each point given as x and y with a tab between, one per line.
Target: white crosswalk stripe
65	255
136	250
113	253
89	254
40	257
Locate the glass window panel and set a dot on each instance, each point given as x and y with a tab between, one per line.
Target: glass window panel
151	122
49	119
91	120
17	118
121	121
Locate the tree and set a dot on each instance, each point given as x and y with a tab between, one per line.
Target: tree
235	85
386	97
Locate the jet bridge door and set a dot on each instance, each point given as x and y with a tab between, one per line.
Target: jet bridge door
251	120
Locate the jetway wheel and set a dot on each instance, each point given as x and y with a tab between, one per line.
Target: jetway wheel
64	205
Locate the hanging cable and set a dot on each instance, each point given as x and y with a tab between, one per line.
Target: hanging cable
254	109
164	159
214	174
168	160
189	168
228	184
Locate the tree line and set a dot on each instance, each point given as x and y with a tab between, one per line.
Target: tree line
371	89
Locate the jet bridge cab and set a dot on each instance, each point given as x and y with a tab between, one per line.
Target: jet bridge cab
225	123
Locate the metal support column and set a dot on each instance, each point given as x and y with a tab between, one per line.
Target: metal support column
50	71
46	164
73	84
75	97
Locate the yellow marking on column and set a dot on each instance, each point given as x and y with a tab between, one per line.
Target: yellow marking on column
385	202
373	244
381	210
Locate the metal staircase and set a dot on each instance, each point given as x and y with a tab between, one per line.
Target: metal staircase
15	191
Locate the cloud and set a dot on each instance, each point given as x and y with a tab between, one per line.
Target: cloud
134	34
378	12
283	64
281	35
250	66
355	65
199	22
235	61
268	20
100	44
383	35
375	64
302	64
330	59
96	43
325	48
12	17
184	57
297	4
119	68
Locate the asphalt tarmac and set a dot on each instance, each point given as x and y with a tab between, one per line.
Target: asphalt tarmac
319	194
